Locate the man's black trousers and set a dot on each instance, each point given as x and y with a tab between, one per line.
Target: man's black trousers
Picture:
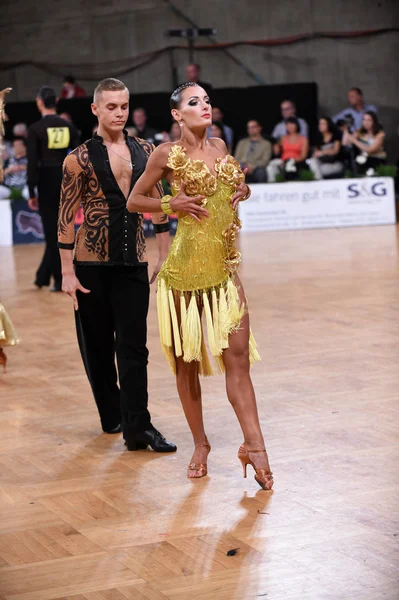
112	320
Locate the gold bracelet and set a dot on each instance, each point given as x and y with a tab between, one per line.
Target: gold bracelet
165	205
247	195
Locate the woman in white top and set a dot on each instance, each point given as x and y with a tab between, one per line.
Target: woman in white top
370	141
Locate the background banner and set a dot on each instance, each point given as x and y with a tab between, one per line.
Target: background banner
319	204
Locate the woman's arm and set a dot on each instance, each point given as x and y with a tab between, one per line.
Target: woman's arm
304	150
332	151
376	147
139	200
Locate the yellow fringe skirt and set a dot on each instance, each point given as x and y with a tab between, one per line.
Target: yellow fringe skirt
8	335
183	335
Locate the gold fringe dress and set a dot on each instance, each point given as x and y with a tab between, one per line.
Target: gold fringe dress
8	335
199	272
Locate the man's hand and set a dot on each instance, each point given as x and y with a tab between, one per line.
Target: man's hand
70	285
33	203
188	205
157	268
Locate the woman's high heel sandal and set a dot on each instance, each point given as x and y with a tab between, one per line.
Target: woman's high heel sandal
201	468
263	477
3	359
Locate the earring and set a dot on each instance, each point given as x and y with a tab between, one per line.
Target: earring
181	123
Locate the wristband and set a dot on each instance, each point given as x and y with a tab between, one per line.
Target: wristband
161	227
165	205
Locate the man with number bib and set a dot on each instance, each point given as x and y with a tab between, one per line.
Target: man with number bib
49	141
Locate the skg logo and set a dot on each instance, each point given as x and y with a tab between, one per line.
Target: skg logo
367	189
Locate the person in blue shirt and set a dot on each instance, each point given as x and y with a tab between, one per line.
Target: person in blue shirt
353	115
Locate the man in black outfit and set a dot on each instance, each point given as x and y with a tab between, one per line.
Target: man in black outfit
48	143
109	278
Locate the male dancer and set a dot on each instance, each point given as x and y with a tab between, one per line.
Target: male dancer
109	281
48	143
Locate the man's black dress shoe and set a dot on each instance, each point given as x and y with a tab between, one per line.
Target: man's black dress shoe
40	284
117	429
152	438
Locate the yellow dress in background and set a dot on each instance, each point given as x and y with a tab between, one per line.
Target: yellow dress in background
8	335
199	272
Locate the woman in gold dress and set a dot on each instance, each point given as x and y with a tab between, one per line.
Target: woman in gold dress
8	335
199	277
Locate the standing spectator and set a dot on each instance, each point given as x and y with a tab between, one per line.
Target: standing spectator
143	130
370	141
70	89
49	141
288	110
326	159
217	117
193	73
356	109
291	147
15	172
254	153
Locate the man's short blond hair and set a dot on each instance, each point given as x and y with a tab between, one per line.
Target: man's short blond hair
108	85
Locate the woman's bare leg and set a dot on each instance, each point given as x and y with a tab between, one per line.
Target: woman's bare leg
189	390
240	390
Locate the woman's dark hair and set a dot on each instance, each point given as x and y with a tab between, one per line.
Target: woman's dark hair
295	121
70	79
330	124
176	97
377	127
219	125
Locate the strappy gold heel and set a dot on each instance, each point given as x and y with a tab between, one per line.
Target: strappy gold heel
263	477
202	468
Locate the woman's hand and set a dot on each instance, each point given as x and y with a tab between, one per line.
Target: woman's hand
189	205
242	190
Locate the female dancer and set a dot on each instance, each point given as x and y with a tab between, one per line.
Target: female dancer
8	335
199	275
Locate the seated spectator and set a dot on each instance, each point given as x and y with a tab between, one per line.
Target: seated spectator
175	132
217	131
288	110
217	116
20	130
132	131
15	172
326	160
145	132
67	117
353	115
369	139
70	89
291	147
193	72
254	153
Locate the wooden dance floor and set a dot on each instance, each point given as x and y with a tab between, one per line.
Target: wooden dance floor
83	519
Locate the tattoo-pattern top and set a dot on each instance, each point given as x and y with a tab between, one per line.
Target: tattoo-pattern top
109	234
